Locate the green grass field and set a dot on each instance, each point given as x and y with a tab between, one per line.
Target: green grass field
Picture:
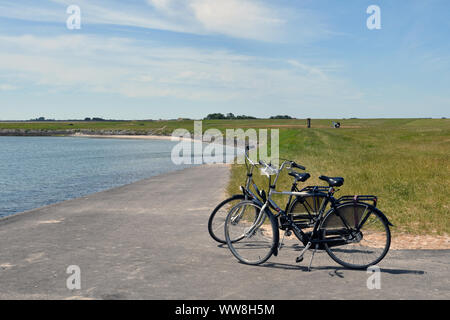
405	162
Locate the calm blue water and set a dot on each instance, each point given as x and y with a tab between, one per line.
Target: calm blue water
37	171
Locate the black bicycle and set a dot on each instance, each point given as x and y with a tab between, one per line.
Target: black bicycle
354	232
303	209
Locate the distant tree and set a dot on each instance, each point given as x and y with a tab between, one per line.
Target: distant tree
41	119
215	116
243	117
98	119
281	117
221	116
87	119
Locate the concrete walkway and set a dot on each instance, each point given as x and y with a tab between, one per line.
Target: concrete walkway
149	240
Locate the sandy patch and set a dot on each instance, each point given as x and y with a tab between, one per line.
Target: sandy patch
407	241
34	257
6	266
50	221
119	136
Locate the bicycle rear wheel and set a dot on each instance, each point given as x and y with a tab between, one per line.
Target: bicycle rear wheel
251	235
216	222
357	235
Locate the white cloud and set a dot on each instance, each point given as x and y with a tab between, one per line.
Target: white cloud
310	70
236	18
79	63
246	19
160	4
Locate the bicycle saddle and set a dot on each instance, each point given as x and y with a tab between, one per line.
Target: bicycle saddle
333	181
300	176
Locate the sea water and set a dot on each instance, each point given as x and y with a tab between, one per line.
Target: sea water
38	171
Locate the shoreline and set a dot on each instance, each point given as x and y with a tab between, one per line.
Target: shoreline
114	136
85	197
122	136
83	133
130	136
117	136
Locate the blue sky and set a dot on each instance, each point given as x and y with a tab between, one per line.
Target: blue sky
151	59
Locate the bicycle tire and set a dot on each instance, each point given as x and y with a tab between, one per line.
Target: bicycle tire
214	230
379	235
262	238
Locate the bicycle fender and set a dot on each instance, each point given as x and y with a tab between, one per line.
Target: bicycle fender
277	235
383	216
373	208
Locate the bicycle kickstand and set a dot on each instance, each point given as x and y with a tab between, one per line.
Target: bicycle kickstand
286	233
300	257
312	256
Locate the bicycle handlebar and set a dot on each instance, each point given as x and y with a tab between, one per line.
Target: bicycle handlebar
295	165
269	170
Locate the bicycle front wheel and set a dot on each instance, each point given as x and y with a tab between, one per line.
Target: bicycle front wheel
251	234
216	222
357	235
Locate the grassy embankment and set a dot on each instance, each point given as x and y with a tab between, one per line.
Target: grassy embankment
405	162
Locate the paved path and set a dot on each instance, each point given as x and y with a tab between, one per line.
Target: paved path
149	240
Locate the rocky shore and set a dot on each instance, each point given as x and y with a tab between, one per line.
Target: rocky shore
71	132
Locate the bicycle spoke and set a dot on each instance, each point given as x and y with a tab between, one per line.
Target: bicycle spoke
364	245
255	243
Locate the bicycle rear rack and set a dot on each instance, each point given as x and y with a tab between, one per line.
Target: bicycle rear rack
358	198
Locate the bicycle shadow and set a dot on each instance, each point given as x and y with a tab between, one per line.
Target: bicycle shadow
402	271
335	271
285	266
295	247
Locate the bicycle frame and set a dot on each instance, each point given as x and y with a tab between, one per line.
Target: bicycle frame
260	198
322	232
310	238
250	165
302	236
